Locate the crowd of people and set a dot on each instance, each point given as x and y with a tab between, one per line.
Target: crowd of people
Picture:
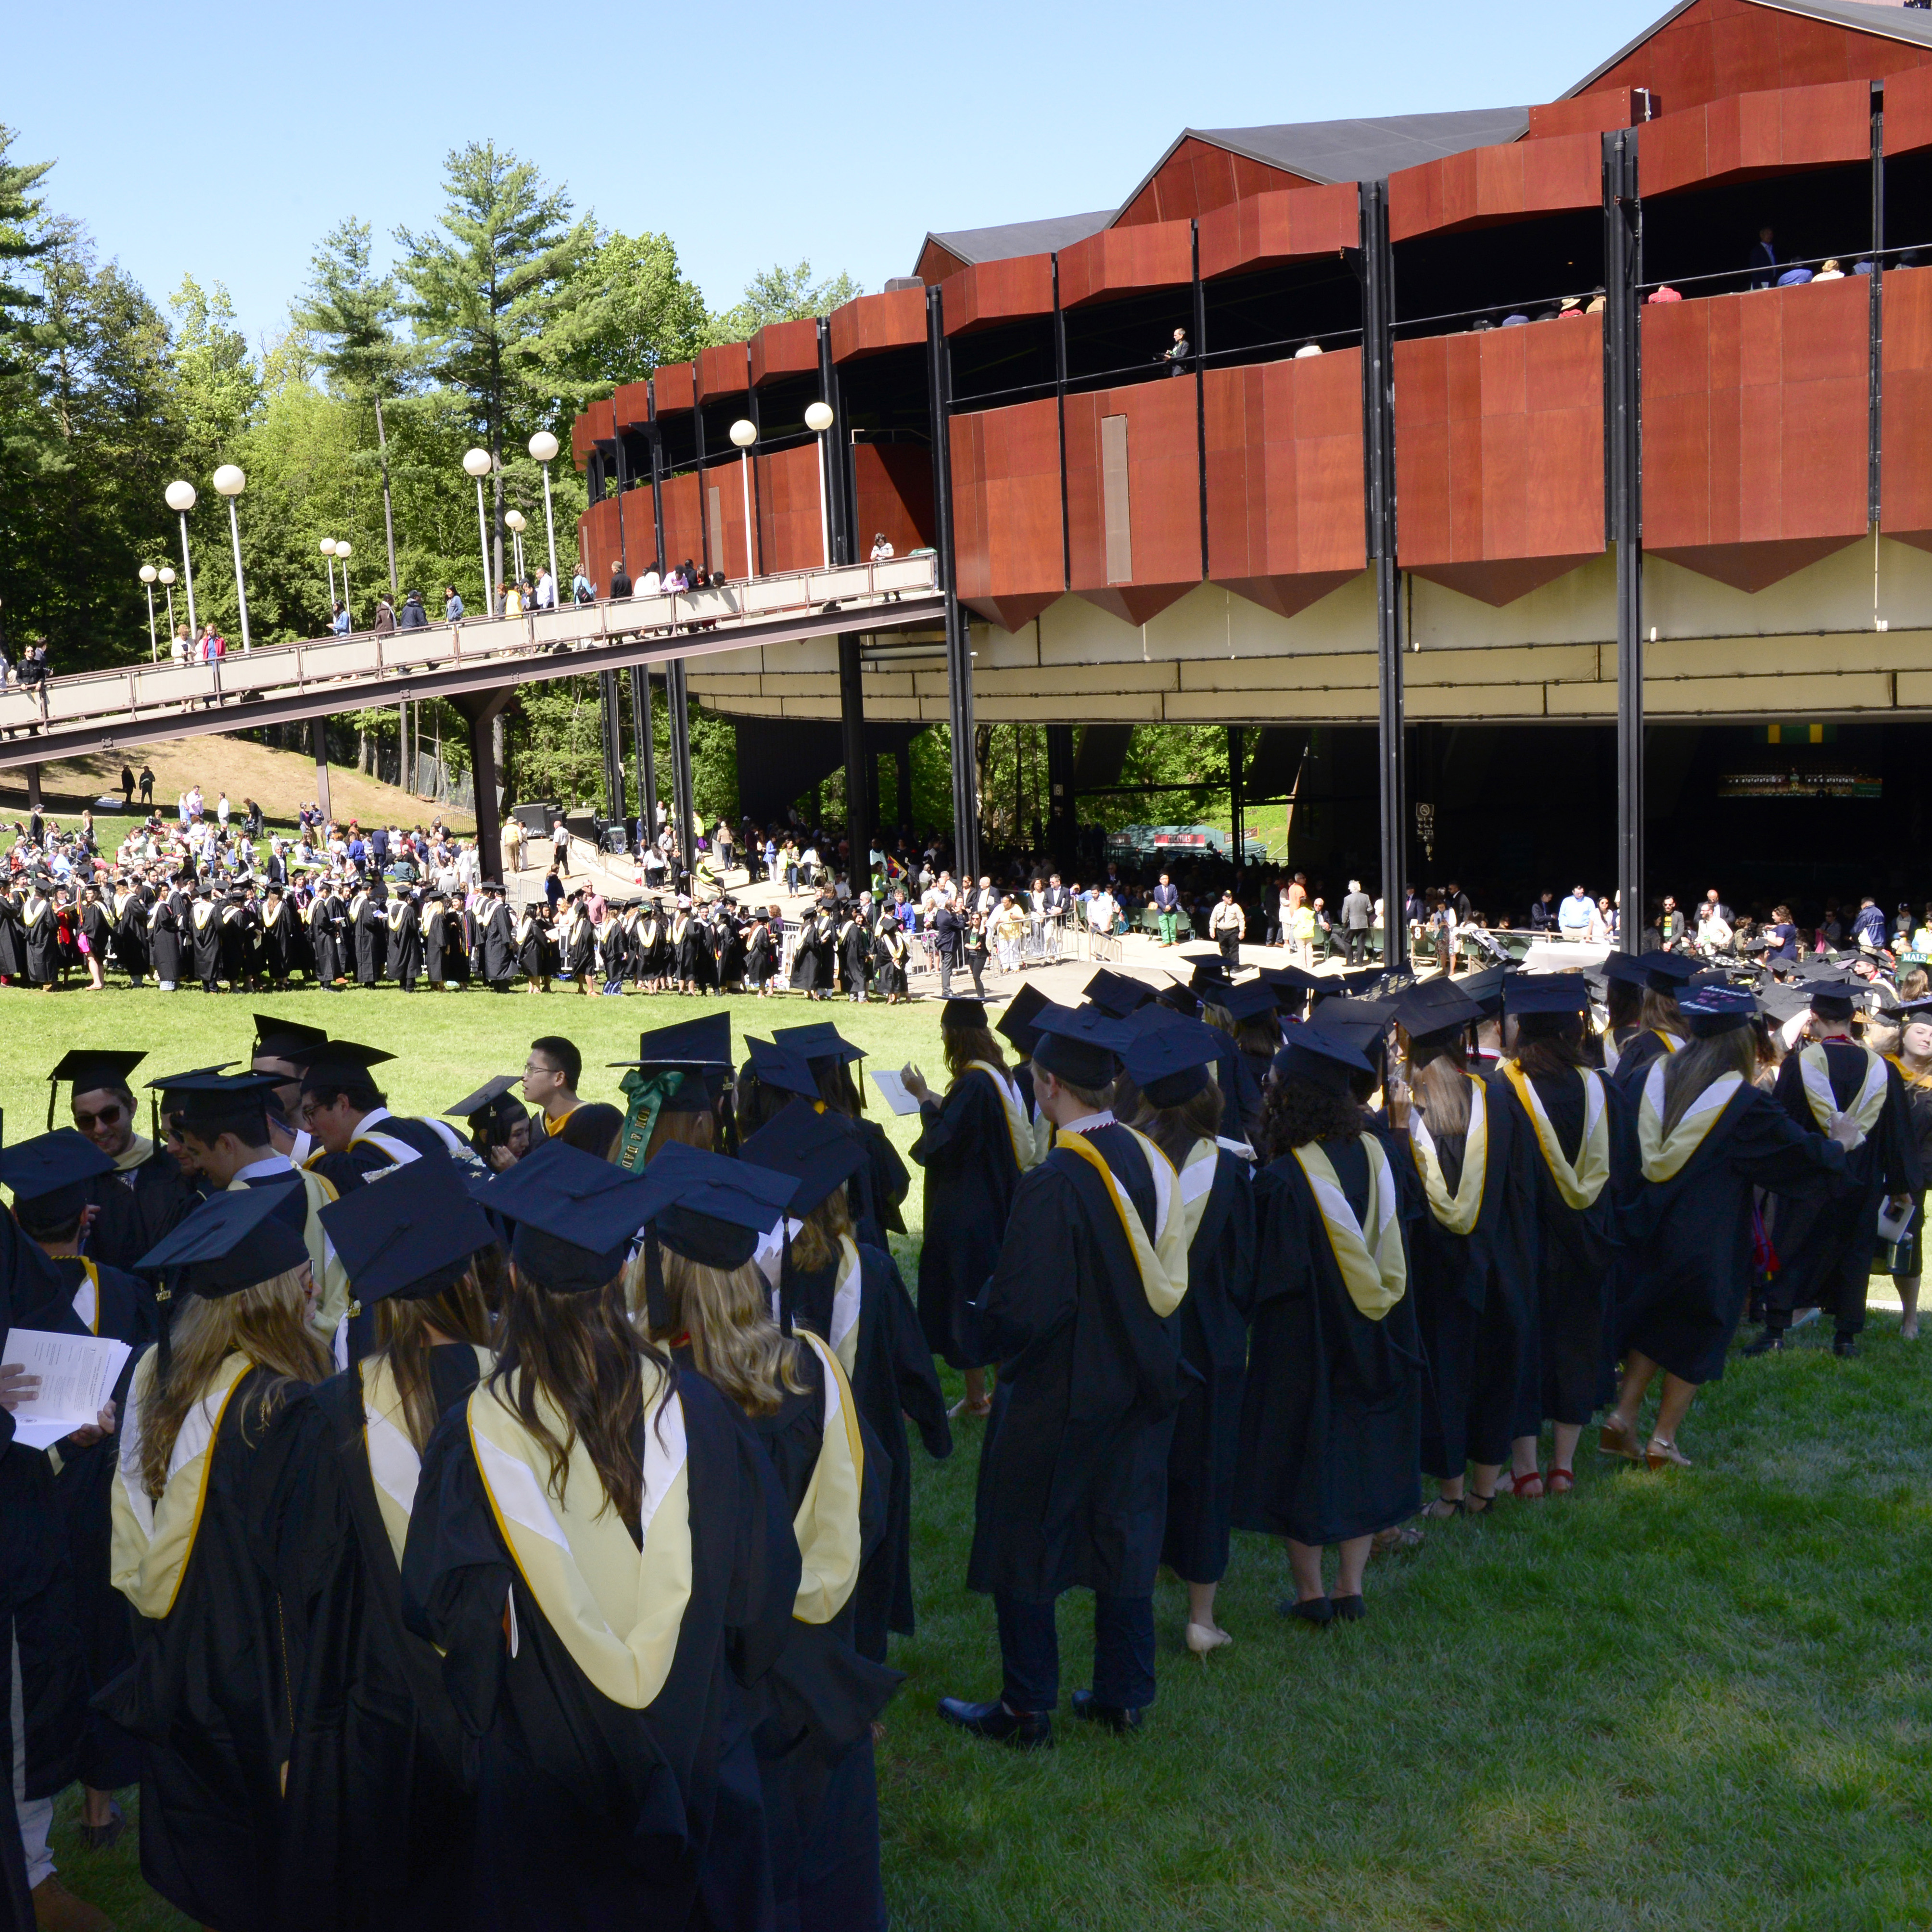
503	1518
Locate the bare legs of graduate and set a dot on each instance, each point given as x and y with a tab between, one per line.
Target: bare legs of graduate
1620	1434
1314	1603
1204	1633
1907	1285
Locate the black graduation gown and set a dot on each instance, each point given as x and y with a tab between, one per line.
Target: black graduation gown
855	951
1634	1059
579	945
278	933
405	944
966	1151
435	930
1072	1488
236	924
42	928
1213	1321
1690	1271
375	1827
498	944
124	1309
370	934
590	1814
138	1206
892	1377
1331	1414
204	928
165	940
532	949
887	1182
323	941
1824	1241
12	942
814	1710
130	937
207	1694
808	968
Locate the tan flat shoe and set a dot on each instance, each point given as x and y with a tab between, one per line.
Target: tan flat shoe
1662	1455
1617	1438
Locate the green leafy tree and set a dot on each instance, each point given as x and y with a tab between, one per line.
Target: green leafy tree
24	238
633	308
779	294
500	269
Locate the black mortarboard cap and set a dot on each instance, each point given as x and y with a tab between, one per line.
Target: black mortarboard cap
772	1067
409	1234
962	1012
1295	979
1486	987
1710	1010
1081	1044
1179	996
812	1147
574	1216
90	1069
1016	1023
1667	972
54	1171
1421	1010
332	1063
1552	993
1328	1060
1169	1059
485	1099
232	1241
820	1040
1251	1000
1115	993
704	1042
1627	969
1783	1002
710	1209
281	1040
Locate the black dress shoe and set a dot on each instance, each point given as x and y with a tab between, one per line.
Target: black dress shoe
1844	1344
1023	1731
1318	1613
1769	1342
1349	1610
1114	1717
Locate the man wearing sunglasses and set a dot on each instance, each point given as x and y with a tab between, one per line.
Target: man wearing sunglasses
145	1195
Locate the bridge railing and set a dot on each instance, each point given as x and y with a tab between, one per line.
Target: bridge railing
141	690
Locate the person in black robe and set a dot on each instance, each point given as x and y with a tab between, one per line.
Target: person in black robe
689	953
1661	1029
140	1196
324	943
207	1695
366	925
1904	1259
810	973
165	942
973	1148
376	1818
436	930
496	952
1331	1415
891	949
613	948
1707	1137
855	955
404	938
760	954
12	940
237	924
703	1297
880	1187
278	932
850	1295
613	1785
1824	1243
131	953
40	928
533	947
1179	1110
204	932
1080	1315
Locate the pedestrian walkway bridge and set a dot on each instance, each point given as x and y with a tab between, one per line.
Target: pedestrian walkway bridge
103	711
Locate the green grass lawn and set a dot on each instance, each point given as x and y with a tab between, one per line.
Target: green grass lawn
1692	1700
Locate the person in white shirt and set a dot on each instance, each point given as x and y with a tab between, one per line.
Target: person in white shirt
651	584
881	549
546	589
1714	933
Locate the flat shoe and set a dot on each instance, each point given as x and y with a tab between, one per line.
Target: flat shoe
1662	1455
1201	1638
1117	1718
1318	1613
1023	1731
105	1838
1349	1610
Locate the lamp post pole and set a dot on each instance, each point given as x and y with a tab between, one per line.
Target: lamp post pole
167	581
329	557
744	433
819	418
180	500
342	547
543	447
230	481
477	464
513	520
148	574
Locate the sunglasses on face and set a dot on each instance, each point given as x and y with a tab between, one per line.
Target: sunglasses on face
108	1117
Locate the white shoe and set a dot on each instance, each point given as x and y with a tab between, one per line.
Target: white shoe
1201	1638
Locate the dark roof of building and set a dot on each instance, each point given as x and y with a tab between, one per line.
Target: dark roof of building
1359	150
1020	237
1891	22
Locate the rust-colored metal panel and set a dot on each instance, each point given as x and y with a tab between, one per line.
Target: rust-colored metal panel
1755	430
1006	484
684	520
1264	230
873	323
724	370
1199	177
894	483
1745	137
597	539
1717	48
1285	479
1483	186
1163	492
675	385
633	407
1908	112
785	349
1122	261
1499	472
1905	511
786	507
998	292
1589	114
582	439
936	262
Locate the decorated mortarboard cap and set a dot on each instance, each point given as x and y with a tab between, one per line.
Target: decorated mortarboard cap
1329	1060
820	1040
1169	1059
1081	1044
771	1066
705	1042
486	1100
1666	972
710	1209
232	1241
1016	1023
1557	994
813	1148
961	1012
1710	1010
1251	1000
1364	979
408	1235
53	1172
574	1216
1115	993
278	1039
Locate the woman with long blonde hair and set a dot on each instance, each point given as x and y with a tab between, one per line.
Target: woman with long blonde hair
377	1824
203	1441
598	1548
705	1299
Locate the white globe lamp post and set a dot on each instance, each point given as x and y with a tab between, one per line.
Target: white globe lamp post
476	462
819	418
180	500
230	482
543	448
149	576
744	433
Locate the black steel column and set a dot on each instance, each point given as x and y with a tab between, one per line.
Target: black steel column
839	512
1200	390
480	712
1060	403
611	721
678	701
858	773
1062	813
646	751
657	474
1623	273
1875	433
1378	439
617	438
703	495
958	633
1237	748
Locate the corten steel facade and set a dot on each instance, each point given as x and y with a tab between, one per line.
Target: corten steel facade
1132	547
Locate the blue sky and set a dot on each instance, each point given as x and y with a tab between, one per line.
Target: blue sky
224	141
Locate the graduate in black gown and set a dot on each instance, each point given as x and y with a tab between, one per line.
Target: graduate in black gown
278	926
1331	1417
204	935
1080	1315
882	1185
704	1299
497	949
40	933
848	1294
615	1778
1824	1242
208	1694
325	938
142	1196
1471	1277
438	934
1661	1029
1575	1159
1706	1137
974	1145
1169	1066
50	1176
376	1820
131	951
403	940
